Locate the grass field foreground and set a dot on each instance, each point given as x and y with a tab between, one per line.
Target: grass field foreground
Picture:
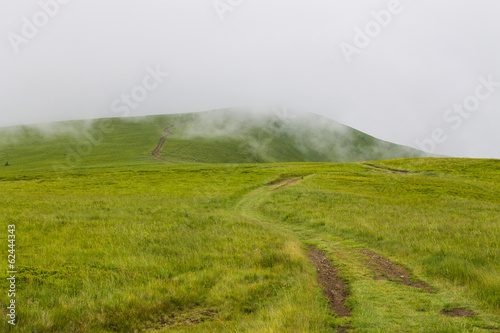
201	248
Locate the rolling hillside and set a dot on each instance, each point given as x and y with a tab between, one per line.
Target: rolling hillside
181	224
222	136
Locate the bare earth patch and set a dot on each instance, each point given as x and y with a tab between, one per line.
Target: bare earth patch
284	182
385	269
159	146
156	152
184	319
387	169
458	312
334	288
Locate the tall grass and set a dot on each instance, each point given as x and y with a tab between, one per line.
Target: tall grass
126	250
213	248
443	218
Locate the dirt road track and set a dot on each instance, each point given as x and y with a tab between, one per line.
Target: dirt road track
159	146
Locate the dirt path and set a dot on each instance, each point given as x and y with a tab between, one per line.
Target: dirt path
159	146
387	169
385	269
284	182
156	152
334	287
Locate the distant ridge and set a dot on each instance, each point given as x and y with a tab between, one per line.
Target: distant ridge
218	136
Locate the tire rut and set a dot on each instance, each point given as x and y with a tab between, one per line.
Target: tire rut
334	287
385	269
159	146
403	172
284	182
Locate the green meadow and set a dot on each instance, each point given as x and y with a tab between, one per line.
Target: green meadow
116	241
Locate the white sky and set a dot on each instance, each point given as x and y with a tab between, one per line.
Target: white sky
264	54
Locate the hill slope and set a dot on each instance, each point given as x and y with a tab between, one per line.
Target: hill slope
221	136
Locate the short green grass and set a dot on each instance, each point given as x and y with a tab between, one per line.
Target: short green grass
448	224
120	242
208	137
213	248
123	250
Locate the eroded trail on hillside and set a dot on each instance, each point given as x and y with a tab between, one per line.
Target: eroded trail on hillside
387	285
334	287
159	146
385	269
403	172
283	182
156	152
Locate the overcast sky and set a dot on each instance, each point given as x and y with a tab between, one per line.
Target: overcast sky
421	73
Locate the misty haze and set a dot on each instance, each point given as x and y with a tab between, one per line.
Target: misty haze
250	166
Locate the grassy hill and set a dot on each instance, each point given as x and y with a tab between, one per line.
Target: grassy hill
222	136
110	239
